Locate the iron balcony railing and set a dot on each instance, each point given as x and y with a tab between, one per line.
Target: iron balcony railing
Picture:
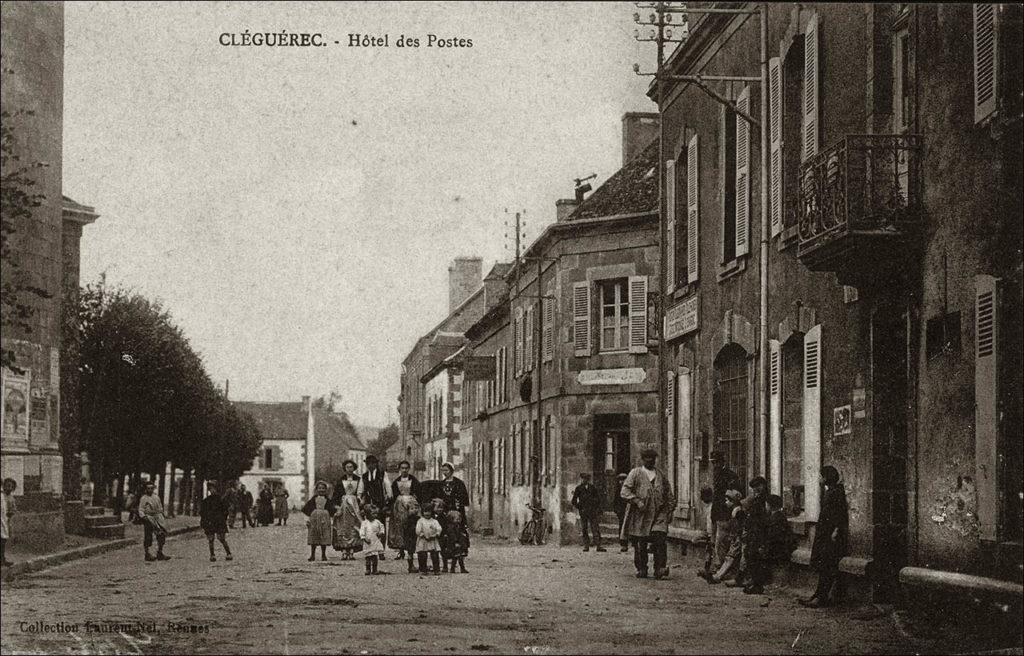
864	184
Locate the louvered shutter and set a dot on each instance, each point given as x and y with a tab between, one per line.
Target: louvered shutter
638	314
275	458
684	424
811	95
670	223
518	345
670	424
986	61
812	419
986	402
775	413
692	209
549	328
775	153
528	350
743	175
581	318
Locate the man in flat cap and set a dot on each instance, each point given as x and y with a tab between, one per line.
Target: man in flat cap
650	503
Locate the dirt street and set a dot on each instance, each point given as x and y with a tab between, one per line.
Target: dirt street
514	600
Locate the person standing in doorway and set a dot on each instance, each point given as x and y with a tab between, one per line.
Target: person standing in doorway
651	502
375	489
151	510
586	499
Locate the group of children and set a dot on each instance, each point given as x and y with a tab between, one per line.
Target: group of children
755	538
435	539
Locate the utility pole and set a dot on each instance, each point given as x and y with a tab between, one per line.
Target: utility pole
664	19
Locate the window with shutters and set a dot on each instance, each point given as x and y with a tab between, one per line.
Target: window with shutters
693	209
615	315
581	318
549	330
268	457
792	372
790	123
671	241
529	332
736	182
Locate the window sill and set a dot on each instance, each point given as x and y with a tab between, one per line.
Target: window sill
684	291
733	267
615	352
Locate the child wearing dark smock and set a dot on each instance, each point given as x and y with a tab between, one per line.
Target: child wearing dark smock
213	517
409	536
454	542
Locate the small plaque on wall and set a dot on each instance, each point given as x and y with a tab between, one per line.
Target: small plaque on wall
841	420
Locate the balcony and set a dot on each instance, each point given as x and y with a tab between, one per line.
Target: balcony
860	206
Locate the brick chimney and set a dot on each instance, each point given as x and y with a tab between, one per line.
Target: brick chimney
639	129
465	275
564	207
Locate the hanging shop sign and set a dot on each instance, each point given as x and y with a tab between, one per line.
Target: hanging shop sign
682	318
479	367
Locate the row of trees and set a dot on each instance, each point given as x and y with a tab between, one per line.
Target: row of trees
145	400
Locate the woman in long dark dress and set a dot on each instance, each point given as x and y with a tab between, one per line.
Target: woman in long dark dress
830	540
265	506
403	491
453	491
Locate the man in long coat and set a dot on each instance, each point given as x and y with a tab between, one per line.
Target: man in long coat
650	504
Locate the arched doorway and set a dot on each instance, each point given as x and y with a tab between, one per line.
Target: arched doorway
732	407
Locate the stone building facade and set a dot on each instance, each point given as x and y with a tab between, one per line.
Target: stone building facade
894	274
288	451
44	255
574	336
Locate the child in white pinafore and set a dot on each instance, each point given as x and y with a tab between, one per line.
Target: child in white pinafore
428	530
371	531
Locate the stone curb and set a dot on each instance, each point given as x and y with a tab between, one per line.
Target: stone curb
50	560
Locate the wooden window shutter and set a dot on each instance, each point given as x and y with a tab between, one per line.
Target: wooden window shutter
775	413
775	119
670	223
275	457
812	419
531	337
581	318
518	340
986	402
549	329
743	175
684	436
986	61
692	209
811	95
638	314
670	401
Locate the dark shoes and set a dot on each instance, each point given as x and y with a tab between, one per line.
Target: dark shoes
160	556
624	549
600	549
150	557
642	574
586	548
753	589
813	602
661	573
311	558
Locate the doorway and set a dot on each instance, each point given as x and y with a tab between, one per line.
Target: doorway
889	417
611	455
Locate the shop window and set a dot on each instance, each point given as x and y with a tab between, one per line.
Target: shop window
731	407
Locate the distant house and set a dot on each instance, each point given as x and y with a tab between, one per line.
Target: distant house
287	453
337	440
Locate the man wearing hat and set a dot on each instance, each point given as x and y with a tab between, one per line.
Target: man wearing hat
374	488
650	503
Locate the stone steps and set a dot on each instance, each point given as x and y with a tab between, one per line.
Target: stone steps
96	521
109	532
98	524
93	511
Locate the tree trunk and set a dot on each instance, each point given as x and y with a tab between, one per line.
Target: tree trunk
97	472
119	494
170	496
186	486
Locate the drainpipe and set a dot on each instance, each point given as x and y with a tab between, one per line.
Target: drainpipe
762	387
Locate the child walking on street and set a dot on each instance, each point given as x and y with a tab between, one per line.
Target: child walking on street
213	517
319	509
371	531
428	530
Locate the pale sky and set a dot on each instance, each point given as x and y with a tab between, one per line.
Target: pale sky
295	208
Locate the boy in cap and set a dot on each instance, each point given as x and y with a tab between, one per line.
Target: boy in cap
587	500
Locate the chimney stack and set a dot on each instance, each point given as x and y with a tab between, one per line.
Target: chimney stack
465	276
639	129
565	207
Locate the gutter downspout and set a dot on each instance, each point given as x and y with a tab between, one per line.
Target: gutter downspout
762	387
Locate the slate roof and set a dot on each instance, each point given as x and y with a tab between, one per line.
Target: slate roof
335	436
633	189
277	421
